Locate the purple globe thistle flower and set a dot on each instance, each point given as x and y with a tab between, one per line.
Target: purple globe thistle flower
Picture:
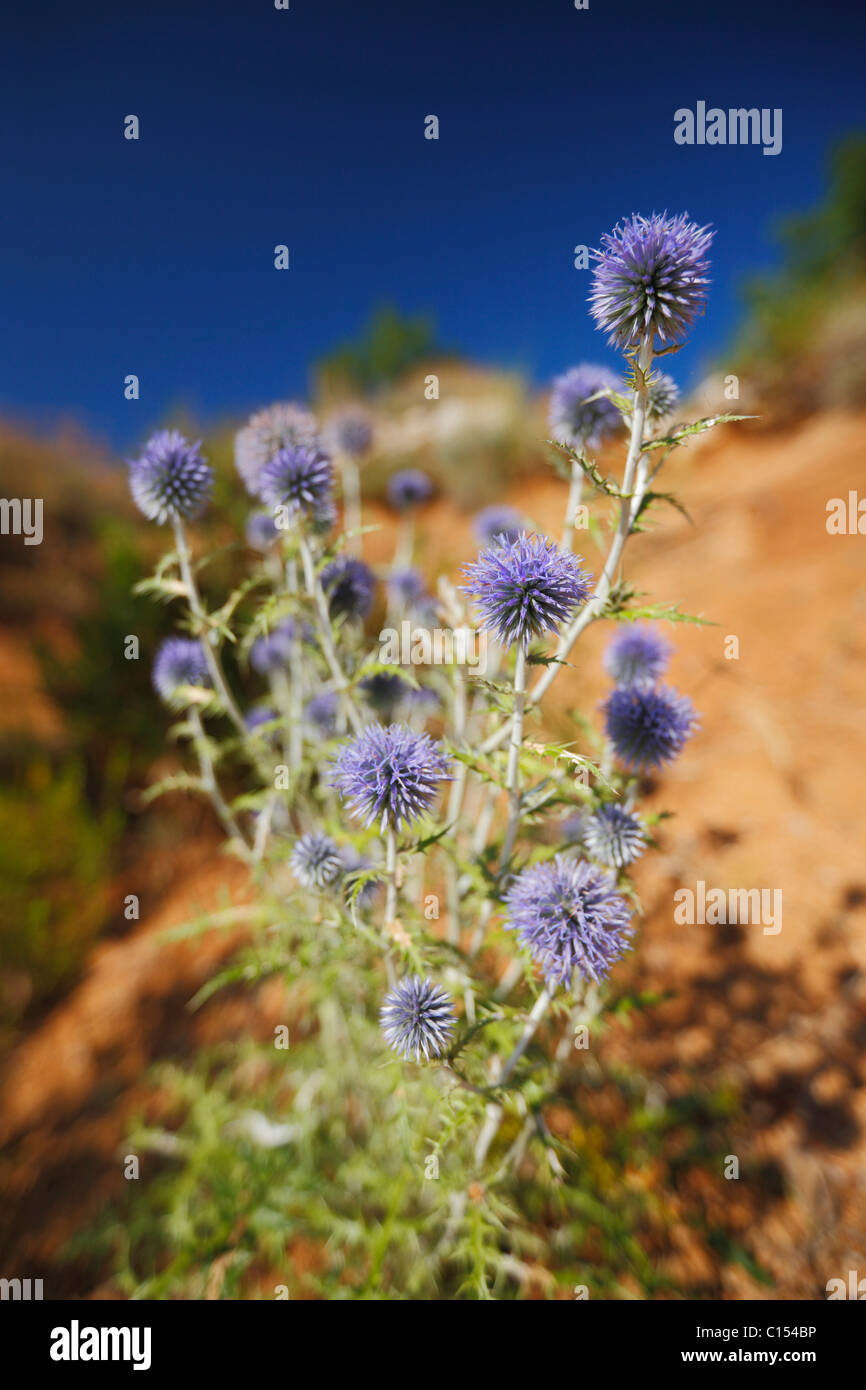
614	836
648	726
322	711
417	1019
389	774
662	396
572	827
272	651
299	478
650	279
384	692
179	661
350	587
575	419
262	530
351	431
569	915
493	522
279	427
637	655
261	714
170	481
526	587
409	488
316	860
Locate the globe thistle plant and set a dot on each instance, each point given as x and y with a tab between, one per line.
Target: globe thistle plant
650	279
409	488
351	431
261	530
299	478
179	661
648	726
322	712
571	918
337	753
350	587
170	481
579	416
614	836
526	588
662	396
316	860
417	1019
637	655
280	426
389	775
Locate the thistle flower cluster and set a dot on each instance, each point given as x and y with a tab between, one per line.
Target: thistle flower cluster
526	587
389	774
280	426
571	912
408	489
417	1019
300	478
579	415
571	918
170	480
650	279
179	661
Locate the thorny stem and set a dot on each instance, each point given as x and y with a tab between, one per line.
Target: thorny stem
209	780
391	872
633	488
575	493
512	776
201	621
495	1111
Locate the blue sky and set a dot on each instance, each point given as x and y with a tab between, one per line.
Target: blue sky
306	127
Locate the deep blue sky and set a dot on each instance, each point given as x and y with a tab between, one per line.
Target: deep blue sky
260	126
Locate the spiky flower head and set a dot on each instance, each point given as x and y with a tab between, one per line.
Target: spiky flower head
179	661
495	521
322	712
170	480
408	488
577	420
526	587
384	692
299	478
569	915
272	651
262	530
614	836
278	427
650	279
350	587
316	860
648	726
417	1019
351	431
389	774
637	655
662	396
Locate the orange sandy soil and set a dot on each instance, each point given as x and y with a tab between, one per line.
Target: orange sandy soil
768	795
